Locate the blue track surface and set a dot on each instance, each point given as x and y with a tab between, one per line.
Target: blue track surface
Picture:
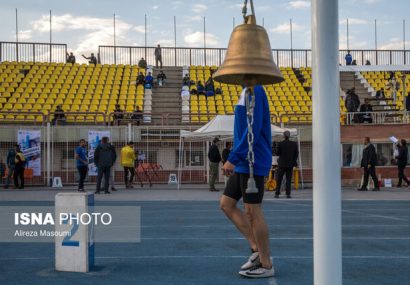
191	242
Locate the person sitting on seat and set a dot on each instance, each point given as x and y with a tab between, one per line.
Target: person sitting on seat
354	62
118	115
200	89
137	116
186	81
366	108
59	116
408	102
149	81
92	58
142	63
380	94
209	87
140	79
161	78
368	62
70	58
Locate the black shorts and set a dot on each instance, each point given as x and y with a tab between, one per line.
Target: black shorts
237	184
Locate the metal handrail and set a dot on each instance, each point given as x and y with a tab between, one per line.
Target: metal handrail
22	113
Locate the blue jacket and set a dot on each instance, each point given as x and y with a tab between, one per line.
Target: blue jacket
262	146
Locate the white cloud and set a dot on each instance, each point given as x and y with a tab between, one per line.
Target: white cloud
196	39
139	29
194	18
284	28
298	4
354	42
199	8
155	7
25	35
394	43
89	32
354	21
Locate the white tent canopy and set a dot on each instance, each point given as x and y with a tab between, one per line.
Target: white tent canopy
222	126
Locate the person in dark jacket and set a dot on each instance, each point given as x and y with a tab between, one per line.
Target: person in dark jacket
104	159
214	160
402	162
369	160
352	101
11	155
288	153
142	63
408	102
366	109
140	79
225	152
20	164
92	59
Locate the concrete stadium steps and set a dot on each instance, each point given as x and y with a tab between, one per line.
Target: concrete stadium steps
349	80
167	99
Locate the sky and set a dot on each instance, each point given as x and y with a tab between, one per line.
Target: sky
85	24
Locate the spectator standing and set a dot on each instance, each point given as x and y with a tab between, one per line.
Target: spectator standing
104	158
352	103
366	112
408	102
92	59
288	153
59	116
226	152
161	78
140	79
118	115
128	163
82	163
214	160
137	115
70	58
402	162
11	155
369	160
20	163
348	58
158	56
142	63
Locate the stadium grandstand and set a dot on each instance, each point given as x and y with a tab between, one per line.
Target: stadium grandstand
31	90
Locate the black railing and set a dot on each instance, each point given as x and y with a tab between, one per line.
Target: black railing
34	52
181	56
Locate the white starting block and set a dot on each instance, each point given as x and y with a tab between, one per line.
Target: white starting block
57	183
74	252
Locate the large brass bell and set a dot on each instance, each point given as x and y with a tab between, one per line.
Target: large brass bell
249	56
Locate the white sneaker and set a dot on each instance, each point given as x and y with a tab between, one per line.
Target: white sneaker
252	261
258	272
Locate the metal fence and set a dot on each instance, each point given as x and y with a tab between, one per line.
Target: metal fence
32	52
296	58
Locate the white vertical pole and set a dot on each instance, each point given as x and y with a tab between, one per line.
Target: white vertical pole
129	132
327	242
48	151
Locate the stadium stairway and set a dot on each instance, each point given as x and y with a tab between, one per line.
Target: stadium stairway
348	80
167	99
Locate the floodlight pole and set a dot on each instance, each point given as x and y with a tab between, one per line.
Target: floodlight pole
327	241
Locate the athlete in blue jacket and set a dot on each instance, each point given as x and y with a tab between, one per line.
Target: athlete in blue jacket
251	223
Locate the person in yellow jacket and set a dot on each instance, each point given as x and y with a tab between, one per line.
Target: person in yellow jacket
128	162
